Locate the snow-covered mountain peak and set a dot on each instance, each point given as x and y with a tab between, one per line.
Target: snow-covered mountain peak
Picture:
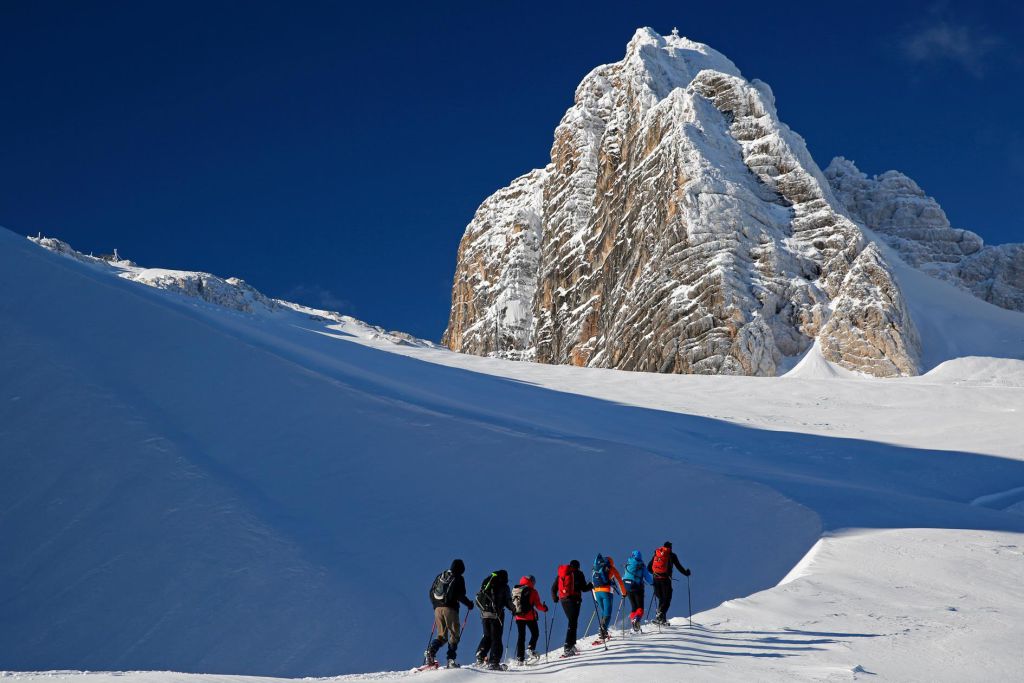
670	62
682	227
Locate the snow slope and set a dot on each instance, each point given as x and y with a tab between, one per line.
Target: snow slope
193	487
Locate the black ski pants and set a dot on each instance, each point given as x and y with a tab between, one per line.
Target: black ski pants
490	647
663	591
572	613
636	598
521	626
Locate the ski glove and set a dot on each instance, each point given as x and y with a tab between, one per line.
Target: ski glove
469	607
686	572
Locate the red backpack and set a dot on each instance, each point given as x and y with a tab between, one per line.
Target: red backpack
662	561
566	582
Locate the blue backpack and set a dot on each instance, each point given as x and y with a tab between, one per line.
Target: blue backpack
634	570
599	577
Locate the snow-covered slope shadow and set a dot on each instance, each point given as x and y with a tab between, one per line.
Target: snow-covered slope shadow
203	490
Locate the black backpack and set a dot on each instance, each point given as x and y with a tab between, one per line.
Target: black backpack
442	586
484	597
521	600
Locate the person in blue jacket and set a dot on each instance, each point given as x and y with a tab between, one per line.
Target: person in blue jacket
634	576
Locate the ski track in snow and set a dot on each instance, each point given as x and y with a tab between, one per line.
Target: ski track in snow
840	527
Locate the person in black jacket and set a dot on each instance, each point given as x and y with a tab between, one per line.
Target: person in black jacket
568	588
447	591
663	579
493	599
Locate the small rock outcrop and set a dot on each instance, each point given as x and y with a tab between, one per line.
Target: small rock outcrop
870	329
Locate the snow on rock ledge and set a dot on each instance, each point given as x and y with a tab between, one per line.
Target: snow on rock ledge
230	293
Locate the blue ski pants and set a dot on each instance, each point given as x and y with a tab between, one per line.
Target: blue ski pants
605	600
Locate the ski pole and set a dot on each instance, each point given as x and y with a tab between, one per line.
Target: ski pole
587	634
546	648
689	600
622	615
594	597
464	622
508	637
433	627
550	631
650	605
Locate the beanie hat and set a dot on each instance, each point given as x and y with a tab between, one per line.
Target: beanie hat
575	564
458	567
668	544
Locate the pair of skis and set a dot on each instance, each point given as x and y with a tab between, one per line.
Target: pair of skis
504	667
434	665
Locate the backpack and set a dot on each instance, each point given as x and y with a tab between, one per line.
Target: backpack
634	570
599	577
566	582
442	586
521	600
662	563
484	598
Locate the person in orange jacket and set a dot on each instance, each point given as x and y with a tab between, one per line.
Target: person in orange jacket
525	603
603	576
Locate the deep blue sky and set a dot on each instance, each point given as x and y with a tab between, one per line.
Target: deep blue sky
333	155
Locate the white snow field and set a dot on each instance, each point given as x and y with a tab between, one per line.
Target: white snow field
186	486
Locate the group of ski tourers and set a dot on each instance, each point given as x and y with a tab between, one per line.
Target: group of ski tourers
524	602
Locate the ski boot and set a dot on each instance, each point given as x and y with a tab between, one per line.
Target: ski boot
452	664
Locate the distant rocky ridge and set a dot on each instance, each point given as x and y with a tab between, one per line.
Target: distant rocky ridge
680	227
230	293
894	207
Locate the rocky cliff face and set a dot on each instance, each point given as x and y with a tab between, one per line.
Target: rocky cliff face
680	227
894	207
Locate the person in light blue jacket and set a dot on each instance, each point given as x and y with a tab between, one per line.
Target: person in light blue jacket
634	576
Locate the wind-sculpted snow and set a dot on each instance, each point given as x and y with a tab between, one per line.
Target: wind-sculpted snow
683	228
187	486
914	224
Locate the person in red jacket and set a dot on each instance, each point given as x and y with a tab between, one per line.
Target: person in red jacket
568	588
526	601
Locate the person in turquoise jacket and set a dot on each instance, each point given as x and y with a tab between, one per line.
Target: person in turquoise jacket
634	576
